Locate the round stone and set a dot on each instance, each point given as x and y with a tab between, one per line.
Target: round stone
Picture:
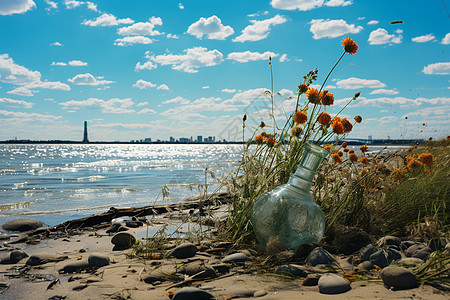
123	240
40	258
320	256
97	260
16	255
75	267
398	278
22	225
234	258
192	293
185	250
291	270
379	258
333	284
367	251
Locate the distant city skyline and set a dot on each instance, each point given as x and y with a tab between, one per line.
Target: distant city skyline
147	68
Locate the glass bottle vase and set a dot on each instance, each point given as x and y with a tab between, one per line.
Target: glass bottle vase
288	213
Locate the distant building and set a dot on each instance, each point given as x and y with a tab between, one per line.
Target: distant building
370	138
147	140
85	135
199	139
171	139
184	140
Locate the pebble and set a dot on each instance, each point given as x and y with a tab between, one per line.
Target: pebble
320	256
235	258
333	284
40	258
367	265
22	225
389	240
398	278
291	270
97	260
305	249
410	261
192	293
393	255
75	267
410	251
221	268
160	274
423	253
185	250
17	255
379	258
311	280
196	267
406	244
367	251
123	240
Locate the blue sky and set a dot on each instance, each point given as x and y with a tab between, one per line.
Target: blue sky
153	69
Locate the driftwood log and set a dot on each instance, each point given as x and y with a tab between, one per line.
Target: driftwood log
112	213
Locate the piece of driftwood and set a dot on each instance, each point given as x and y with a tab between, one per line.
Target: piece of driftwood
112	213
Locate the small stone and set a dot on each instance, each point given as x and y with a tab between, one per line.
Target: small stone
367	251
17	255
75	267
22	225
379	258
221	268
410	262
410	251
40	258
389	240
235	258
311	280
97	260
191	293
285	256
291	270
118	221
133	224
185	250
320	256
367	265
260	293
203	270
223	245
423	253
123	240
333	284
406	244
398	278
393	255
160	274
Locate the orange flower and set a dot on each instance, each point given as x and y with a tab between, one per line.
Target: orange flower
296	131
349	46
300	117
259	139
353	157
351	151
344	170
363	172
270	141
336	158
413	163
327	98
347	125
346	150
340	153
338	128
364	160
363	148
313	95
324	119
344	145
430	138
358	119
426	158
327	147
397	174
302	88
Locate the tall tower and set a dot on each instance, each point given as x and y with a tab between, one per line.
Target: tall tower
85	136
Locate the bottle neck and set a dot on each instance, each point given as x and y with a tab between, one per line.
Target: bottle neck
303	177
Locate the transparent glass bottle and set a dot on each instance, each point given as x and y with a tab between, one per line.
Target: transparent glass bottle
288	213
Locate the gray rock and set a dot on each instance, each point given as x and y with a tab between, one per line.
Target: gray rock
398	278
235	258
393	255
16	255
191	293
22	225
203	270
118	221
333	284
389	240
379	258
185	250
410	262
410	251
367	251
311	280
97	260
223	245
75	267
423	253
437	243
320	256
406	244
367	265
123	240
260	293
160	274
221	268
291	270
40	258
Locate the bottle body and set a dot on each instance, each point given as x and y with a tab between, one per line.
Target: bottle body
288	213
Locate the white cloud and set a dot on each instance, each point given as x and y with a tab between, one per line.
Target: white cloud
205	87
384	92
177	100
332	28
259	30
91	6
142	84
29	117
88	79
180	5
29	89
212	27
145	66
403	102
142	103
10	7
172	36
424	38
107	20
381	37
58	64
70	4
73	63
51	4
229	91
358	83
284	58
12	102
146	111
373	22
302	5
56	44
335	3
264	13
142	28
163	87
114	106
441	68
247	56
189	62
446	39
130	40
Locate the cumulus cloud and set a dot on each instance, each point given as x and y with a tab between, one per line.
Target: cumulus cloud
381	37
142	103
190	61
373	22
73	63
424	38
114	106
229	91
247	56
259	30
358	83
56	44
402	101
142	28
146	111
180	5
71	4
130	40
52	5
332	28
142	84
149	65
177	100
446	39
336	3
440	68
384	92
10	7
304	5
172	36
211	27
29	117
163	87
15	103
284	58
88	79
107	20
